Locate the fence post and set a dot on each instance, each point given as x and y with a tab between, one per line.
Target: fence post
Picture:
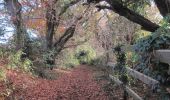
121	67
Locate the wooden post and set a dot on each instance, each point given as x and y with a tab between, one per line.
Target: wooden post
163	56
128	90
146	79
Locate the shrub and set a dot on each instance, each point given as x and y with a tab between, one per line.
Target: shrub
70	60
2	74
145	47
48	59
85	54
141	34
3	53
66	59
15	62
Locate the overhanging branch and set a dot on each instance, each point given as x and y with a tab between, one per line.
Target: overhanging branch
129	14
59	45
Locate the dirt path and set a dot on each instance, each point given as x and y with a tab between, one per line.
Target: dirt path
78	84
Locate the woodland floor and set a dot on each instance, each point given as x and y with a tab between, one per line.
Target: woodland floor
76	84
80	83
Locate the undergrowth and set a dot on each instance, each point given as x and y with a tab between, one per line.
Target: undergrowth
2	74
16	61
85	54
145	47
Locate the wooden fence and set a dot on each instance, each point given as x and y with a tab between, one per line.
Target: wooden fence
160	55
163	56
145	79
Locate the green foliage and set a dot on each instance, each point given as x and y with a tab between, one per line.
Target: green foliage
66	59
99	61
15	61
2	74
141	34
120	66
71	60
136	5
49	55
164	21
132	57
3	53
85	54
145	47
157	40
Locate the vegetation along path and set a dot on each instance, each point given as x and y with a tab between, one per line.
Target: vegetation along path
76	84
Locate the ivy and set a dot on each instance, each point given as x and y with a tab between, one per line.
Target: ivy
121	67
145	47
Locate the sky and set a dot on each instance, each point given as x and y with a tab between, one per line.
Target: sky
8	27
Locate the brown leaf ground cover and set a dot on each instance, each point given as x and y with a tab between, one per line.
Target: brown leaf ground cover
76	84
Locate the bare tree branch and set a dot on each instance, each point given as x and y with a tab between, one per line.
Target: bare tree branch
59	45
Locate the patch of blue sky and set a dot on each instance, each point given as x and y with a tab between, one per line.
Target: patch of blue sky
10	31
8	27
1	4
33	4
5	38
32	33
5	21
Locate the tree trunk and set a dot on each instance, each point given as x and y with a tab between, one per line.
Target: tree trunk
22	38
163	6
51	23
